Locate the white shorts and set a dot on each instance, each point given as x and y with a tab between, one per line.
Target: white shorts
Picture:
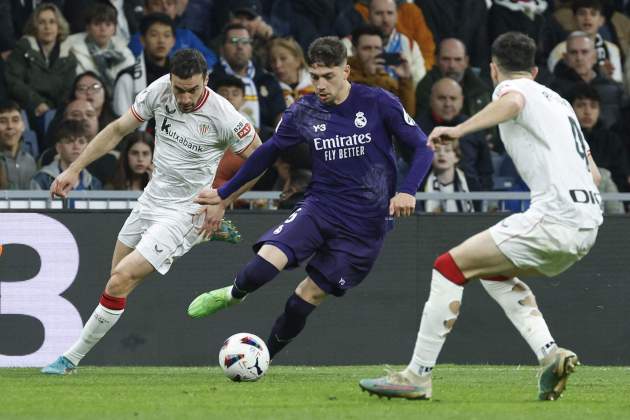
160	237
529	241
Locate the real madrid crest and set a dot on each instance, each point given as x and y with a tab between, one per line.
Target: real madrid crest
360	121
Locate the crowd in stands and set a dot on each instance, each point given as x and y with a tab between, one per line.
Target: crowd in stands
70	67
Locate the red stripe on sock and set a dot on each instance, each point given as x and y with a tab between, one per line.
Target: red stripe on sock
446	265
111	302
497	278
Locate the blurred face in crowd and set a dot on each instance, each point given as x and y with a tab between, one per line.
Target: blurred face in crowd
69	149
587	111
139	158
237	48
330	82
91	89
452	59
11	130
168	7
446	99
47	27
445	157
367	49
383	14
188	91
285	65
248	21
580	55
588	20
158	41
233	94
101	32
82	110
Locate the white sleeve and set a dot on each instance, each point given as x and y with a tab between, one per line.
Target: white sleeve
232	126
506	87
144	106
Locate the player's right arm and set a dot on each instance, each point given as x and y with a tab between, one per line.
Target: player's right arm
597	177
102	143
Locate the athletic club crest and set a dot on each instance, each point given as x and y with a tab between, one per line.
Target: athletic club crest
360	121
203	129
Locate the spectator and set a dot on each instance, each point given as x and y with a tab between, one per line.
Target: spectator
13	17
248	14
82	110
157	38
589	18
446	177
606	147
70	141
90	86
462	19
384	15
97	49
446	109
4	182
410	22
129	14
135	164
578	67
184	38
264	102
288	65
17	164
453	61
367	67
40	71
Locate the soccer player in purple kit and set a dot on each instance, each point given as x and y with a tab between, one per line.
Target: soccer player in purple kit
349	204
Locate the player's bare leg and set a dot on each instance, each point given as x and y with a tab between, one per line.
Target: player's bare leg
307	296
477	257
129	268
263	268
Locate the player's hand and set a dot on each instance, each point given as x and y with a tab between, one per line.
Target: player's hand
211	217
64	182
208	196
442	134
403	70
402	204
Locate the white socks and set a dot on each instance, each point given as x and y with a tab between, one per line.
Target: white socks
519	304
438	317
97	326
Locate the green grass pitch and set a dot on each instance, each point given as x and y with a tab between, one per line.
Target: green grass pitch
460	392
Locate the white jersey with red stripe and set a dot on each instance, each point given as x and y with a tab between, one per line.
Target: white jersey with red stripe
549	151
188	145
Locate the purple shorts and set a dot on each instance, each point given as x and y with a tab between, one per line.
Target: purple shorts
341	259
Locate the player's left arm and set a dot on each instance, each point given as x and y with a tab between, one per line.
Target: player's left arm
597	176
507	107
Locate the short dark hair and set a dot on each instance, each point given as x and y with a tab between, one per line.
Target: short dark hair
514	52
101	11
153	18
584	91
187	62
365	30
587	4
328	51
230	27
229	81
8	106
70	129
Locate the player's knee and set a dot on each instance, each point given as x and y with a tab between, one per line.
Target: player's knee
308	291
446	265
119	284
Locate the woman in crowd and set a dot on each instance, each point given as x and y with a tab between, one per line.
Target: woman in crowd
135	163
90	86
41	69
287	63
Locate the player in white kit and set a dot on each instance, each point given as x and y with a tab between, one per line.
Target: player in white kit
194	127
542	135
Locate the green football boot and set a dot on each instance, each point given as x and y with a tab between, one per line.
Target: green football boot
227	233
211	302
555	370
398	385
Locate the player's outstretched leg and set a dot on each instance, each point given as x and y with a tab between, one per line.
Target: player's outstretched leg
255	274
555	370
438	317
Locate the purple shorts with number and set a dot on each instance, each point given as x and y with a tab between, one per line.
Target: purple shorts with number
340	259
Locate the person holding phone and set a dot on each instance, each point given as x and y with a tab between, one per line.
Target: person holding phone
368	66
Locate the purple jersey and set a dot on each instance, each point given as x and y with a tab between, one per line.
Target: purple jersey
354	169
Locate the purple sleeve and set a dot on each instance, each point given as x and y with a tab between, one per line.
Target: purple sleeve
401	125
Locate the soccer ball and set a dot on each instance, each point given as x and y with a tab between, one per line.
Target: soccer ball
244	357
